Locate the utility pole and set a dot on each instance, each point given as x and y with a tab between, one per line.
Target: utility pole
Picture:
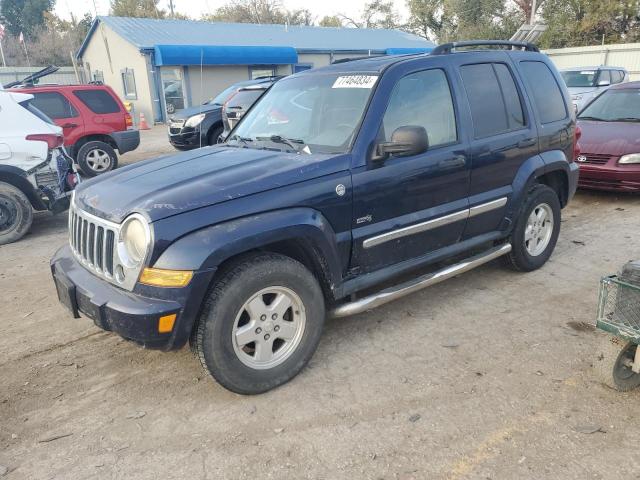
171	8
532	20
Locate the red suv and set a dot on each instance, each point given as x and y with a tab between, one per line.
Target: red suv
95	123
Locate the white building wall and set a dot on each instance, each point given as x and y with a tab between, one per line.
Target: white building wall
618	55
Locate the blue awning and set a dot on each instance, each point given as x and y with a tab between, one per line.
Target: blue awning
224	55
407	51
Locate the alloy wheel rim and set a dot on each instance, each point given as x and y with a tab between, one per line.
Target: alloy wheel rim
538	231
268	328
98	160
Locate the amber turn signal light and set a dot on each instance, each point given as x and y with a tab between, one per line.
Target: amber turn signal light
158	277
165	324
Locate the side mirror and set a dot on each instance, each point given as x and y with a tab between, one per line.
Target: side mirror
604	83
405	141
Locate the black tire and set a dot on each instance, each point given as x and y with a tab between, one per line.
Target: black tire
214	335
609	364
90	152
16	214
214	133
519	258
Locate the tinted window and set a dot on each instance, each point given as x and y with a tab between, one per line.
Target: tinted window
493	98
54	105
422	99
244	99
545	91
98	101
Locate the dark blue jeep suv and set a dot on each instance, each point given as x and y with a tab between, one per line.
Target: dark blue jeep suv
338	180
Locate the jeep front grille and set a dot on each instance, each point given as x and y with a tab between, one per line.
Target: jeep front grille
92	240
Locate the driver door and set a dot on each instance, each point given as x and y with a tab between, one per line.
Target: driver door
409	206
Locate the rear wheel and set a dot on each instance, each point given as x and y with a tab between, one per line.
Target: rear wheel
261	323
536	230
16	214
96	157
612	363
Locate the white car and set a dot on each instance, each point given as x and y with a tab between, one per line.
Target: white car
35	171
586	83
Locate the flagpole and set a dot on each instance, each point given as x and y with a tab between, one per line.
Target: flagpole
4	63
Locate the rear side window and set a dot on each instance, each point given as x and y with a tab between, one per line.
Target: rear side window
422	99
98	101
545	91
53	105
494	99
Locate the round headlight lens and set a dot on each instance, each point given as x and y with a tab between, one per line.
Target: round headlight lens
135	240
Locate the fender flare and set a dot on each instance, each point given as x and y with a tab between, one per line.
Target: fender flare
18	178
209	247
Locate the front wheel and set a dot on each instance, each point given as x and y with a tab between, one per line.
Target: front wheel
536	230
260	324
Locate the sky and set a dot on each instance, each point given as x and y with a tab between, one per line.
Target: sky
195	8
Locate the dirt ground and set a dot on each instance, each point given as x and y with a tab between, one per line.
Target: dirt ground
486	376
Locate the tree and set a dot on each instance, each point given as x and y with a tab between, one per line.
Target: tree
261	12
431	19
136	8
376	14
24	15
331	21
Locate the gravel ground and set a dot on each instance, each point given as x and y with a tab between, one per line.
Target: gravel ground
486	376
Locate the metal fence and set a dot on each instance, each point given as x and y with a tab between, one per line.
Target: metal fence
64	76
626	55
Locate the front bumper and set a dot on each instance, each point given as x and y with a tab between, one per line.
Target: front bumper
611	178
127	140
132	315
191	138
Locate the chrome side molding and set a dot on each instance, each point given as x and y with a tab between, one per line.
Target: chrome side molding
435	223
403	289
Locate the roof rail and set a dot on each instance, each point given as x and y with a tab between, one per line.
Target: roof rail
447	48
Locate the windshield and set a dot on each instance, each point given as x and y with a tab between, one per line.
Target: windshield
308	114
580	78
617	105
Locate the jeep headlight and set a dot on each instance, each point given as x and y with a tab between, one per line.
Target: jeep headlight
194	121
134	240
630	159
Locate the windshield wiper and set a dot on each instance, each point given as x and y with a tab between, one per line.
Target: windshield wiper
290	142
244	140
625	119
595	119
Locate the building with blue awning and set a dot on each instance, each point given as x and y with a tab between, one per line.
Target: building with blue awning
164	65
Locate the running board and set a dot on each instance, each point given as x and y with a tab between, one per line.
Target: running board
399	291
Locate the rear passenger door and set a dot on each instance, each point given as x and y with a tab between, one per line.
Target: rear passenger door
503	138
58	108
104	110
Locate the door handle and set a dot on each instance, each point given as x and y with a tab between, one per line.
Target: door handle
70	125
529	142
455	162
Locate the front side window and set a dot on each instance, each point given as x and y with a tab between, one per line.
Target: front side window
614	105
98	101
617	76
129	84
494	99
422	99
54	105
579	78
547	97
308	114
604	78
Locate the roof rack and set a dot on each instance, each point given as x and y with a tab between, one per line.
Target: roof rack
447	48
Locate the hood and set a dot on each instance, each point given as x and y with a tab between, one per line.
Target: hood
191	111
174	184
610	138
581	90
